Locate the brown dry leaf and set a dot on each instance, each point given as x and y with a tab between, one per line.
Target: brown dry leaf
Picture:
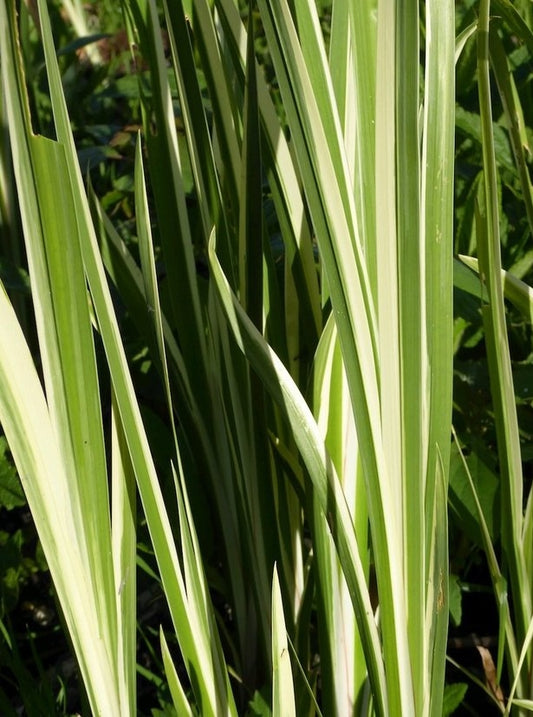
490	674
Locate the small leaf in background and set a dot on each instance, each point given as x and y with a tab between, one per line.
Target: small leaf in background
455	600
259	707
462	501
523	382
10	568
470	124
11	493
453	697
14	278
40	560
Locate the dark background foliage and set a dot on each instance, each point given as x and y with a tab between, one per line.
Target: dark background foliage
37	671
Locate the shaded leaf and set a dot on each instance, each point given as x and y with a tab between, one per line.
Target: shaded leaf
453	697
11	493
462	501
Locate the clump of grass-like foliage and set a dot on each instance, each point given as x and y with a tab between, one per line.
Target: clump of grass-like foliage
236	383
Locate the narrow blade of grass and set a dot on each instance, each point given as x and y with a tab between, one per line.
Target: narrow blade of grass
179	698
500	373
282	682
